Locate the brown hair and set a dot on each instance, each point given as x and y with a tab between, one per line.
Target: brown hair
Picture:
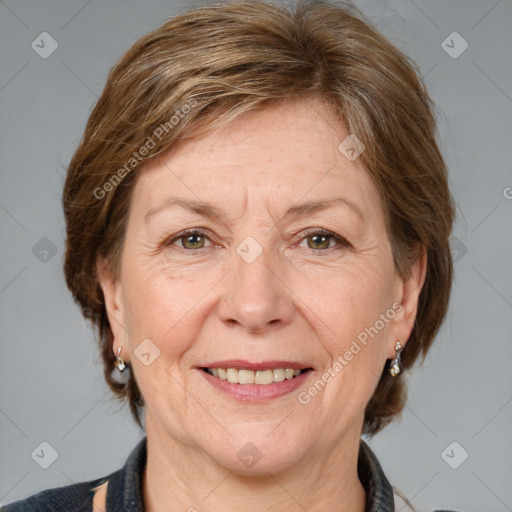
207	66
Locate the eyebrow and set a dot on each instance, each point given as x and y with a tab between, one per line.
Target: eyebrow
211	211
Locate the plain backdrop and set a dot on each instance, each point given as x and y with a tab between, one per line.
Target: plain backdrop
451	449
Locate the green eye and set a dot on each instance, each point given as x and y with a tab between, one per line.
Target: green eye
320	239
317	240
193	241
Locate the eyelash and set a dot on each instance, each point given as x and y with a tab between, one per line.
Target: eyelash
342	243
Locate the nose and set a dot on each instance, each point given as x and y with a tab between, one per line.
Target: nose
256	295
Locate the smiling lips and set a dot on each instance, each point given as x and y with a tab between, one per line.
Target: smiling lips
255	386
246	373
262	377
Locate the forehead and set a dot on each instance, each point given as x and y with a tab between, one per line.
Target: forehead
279	156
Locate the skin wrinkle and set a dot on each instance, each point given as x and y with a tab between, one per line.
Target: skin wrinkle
287	304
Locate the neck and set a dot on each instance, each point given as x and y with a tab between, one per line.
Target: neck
182	475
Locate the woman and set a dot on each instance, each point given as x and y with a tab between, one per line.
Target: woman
258	224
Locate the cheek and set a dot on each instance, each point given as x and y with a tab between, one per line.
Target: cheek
162	308
163	324
350	302
363	311
350	327
354	337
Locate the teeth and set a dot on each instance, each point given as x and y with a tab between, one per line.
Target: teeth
245	377
278	375
232	375
262	377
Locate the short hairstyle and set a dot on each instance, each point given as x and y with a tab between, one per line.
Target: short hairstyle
208	65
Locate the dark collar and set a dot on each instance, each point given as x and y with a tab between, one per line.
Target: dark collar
379	493
124	491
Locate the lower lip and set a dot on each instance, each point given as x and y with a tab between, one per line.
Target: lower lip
256	392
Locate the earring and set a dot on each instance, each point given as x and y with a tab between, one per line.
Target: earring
119	361
395	367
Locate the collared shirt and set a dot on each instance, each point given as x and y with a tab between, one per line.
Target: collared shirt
124	491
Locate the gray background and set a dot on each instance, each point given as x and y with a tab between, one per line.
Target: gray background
52	389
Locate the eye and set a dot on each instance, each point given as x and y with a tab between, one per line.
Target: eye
321	240
192	239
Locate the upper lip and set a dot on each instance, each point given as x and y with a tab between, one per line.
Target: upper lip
242	364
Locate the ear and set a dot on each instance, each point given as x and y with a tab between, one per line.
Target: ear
408	295
114	304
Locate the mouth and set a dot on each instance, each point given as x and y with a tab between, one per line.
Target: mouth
255	382
263	377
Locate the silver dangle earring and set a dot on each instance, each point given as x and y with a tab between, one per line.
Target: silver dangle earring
119	361
395	367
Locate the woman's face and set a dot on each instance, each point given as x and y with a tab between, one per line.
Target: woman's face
256	286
